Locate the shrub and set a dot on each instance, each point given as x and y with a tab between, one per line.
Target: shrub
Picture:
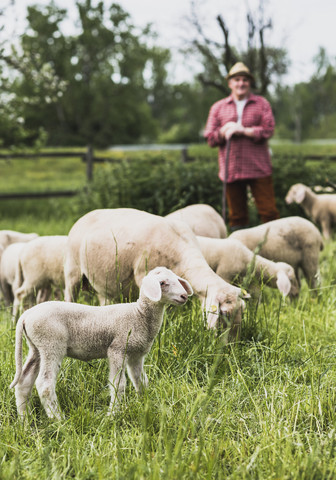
156	185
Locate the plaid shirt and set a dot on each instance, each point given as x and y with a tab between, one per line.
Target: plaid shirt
248	157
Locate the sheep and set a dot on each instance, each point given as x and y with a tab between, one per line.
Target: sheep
7	237
113	248
319	208
40	267
293	240
231	260
202	219
8	269
123	333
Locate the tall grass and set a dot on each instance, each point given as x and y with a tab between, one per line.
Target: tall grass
261	408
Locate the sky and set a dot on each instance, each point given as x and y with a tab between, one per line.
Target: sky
300	26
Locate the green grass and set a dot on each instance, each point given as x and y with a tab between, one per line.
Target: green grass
263	408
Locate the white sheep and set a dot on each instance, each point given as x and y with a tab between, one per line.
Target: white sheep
39	268
8	269
113	248
123	333
320	208
293	240
7	237
202	219
231	260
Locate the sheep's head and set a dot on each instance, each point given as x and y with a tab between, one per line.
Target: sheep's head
163	285
296	193
223	310
287	282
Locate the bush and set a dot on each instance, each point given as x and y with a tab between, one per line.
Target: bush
161	184
156	185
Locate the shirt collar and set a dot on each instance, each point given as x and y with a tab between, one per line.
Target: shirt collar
250	98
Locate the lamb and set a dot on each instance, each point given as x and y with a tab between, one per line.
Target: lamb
123	333
39	268
231	260
293	240
202	219
7	237
113	248
319	208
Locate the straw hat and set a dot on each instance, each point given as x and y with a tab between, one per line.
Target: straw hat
239	68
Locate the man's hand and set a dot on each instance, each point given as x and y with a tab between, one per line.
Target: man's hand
231	128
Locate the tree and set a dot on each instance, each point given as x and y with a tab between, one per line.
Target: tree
88	87
307	109
267	63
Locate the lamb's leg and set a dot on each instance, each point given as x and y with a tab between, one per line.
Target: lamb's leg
310	268
24	386
50	363
72	276
23	298
117	377
43	294
325	225
137	374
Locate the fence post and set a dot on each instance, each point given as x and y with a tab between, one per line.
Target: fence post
184	155
89	163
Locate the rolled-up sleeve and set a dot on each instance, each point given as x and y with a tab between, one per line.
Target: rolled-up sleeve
265	128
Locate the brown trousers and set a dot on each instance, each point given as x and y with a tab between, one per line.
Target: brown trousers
263	194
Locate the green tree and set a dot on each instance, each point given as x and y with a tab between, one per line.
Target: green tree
307	109
98	93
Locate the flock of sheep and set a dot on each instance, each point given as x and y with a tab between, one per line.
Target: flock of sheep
119	252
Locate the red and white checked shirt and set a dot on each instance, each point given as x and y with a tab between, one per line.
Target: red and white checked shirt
248	157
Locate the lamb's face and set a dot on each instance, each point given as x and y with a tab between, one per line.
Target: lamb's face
295	194
294	284
224	310
164	286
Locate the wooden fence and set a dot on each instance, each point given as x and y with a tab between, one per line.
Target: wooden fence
88	157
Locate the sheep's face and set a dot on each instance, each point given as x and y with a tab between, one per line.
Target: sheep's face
162	285
296	193
286	281
224	310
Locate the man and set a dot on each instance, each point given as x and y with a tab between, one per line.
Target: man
243	122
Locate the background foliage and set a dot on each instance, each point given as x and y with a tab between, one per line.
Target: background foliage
107	81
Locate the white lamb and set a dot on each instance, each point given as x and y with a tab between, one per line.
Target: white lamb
124	333
231	260
320	208
40	267
113	248
293	240
202	219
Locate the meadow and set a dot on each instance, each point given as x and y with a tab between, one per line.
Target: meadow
262	408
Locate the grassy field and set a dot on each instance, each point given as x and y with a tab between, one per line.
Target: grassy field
263	408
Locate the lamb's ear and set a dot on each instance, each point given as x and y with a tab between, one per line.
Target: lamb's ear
186	285
151	288
300	194
283	283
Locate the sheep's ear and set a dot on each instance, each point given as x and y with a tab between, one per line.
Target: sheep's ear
186	285
151	288
300	195
283	283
